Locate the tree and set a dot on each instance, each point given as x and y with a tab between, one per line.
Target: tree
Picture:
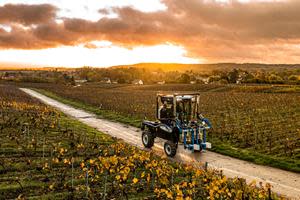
273	78
293	78
233	76
212	79
185	78
121	81
84	72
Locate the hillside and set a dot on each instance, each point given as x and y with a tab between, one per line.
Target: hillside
210	67
166	66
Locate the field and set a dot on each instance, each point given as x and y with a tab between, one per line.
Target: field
45	155
255	123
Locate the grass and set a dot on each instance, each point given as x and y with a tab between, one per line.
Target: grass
224	148
100	113
218	146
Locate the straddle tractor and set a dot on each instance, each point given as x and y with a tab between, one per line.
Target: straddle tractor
179	122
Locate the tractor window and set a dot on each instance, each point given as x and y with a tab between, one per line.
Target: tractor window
186	109
165	108
194	108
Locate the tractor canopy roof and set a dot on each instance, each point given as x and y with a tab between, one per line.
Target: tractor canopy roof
178	96
185	97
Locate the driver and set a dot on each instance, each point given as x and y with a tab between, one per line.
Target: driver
163	112
180	111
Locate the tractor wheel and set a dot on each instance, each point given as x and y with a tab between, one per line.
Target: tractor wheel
170	148
147	139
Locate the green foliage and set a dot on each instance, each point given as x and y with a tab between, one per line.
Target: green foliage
233	76
293	78
185	78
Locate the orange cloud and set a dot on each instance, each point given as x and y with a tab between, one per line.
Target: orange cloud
242	32
27	14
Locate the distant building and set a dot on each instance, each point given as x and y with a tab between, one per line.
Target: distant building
106	80
239	81
81	81
241	78
192	82
10	75
202	80
137	82
161	82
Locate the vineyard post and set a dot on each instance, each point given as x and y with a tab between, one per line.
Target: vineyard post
256	134
269	193
26	133
194	193
270	141
87	181
51	157
72	178
152	181
172	179
2	125
223	125
44	147
105	180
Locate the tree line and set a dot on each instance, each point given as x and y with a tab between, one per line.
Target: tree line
127	75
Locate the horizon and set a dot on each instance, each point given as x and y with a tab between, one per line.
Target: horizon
12	66
60	33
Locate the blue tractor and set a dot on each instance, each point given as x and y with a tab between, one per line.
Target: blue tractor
178	122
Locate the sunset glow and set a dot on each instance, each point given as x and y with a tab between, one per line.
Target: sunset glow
79	56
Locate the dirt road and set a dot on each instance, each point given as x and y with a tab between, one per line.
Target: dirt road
283	182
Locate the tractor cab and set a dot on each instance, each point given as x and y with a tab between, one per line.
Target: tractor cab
178	122
181	107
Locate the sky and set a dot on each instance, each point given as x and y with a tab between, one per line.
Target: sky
115	32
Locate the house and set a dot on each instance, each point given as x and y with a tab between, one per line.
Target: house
239	81
241	78
81	81
137	82
10	75
161	82
106	80
202	80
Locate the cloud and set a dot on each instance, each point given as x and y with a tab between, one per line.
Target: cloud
27	14
218	32
18	38
90	46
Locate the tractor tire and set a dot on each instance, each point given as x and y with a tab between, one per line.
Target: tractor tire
147	139
170	148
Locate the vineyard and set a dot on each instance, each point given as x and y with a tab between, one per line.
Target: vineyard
263	120
46	155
